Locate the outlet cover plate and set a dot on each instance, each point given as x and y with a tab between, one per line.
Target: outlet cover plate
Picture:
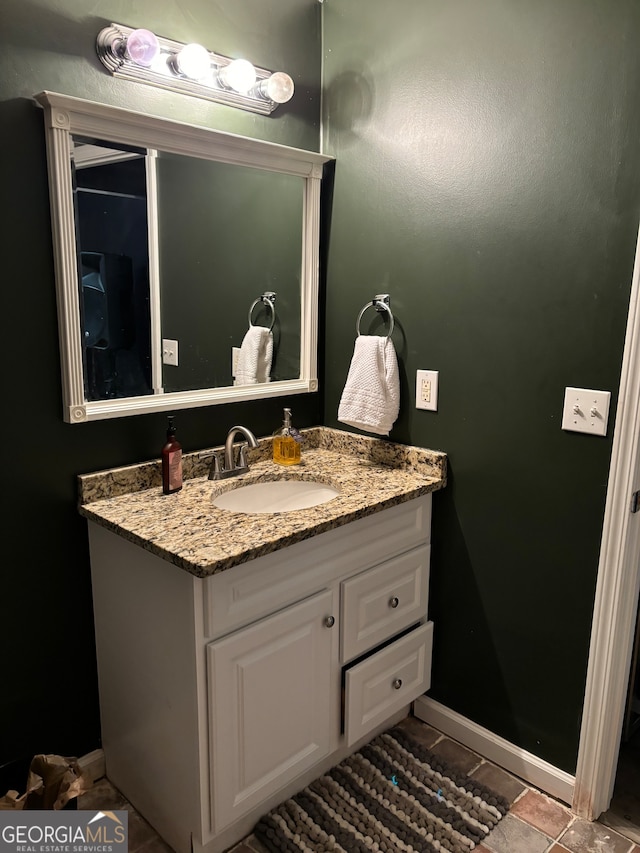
427	390
586	410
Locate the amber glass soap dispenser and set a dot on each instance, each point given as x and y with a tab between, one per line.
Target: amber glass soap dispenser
171	462
286	442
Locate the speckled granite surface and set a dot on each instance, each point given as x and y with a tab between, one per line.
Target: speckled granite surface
189	531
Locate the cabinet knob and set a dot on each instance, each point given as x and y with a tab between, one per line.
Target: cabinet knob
397	683
329	621
394	602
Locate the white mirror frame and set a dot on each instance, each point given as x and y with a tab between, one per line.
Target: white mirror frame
65	116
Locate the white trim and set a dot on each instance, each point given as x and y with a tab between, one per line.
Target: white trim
535	771
106	122
86	156
616	591
100	409
153	248
322	64
93	764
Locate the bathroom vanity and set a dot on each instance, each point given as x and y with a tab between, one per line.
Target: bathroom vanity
242	655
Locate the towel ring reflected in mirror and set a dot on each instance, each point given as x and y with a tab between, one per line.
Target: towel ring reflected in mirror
267	299
380	303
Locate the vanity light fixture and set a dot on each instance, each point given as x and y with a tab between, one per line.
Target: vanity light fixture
191	69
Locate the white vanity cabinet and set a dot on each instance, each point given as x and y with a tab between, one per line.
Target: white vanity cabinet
221	696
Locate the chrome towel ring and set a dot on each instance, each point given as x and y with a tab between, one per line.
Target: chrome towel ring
380	303
267	298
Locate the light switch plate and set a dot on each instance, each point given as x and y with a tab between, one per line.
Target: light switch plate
427	390
169	352
586	410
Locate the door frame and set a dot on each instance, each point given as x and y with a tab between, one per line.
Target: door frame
617	591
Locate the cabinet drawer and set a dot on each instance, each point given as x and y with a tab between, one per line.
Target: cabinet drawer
383	601
380	685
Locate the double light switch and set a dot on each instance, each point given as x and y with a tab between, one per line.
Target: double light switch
586	411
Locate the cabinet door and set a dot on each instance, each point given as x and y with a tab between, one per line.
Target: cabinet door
274	703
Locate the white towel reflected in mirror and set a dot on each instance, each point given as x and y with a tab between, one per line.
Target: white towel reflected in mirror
254	358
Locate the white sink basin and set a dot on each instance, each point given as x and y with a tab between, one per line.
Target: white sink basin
275	496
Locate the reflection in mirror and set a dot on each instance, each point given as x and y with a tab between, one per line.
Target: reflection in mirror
110	202
226	235
171	232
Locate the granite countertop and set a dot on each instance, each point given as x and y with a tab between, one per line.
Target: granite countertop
186	529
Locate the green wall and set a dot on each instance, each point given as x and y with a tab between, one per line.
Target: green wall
48	692
488	178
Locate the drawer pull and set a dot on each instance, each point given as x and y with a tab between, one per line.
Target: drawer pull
329	621
394	602
397	683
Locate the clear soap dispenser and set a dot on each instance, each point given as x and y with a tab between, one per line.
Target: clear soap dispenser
286	442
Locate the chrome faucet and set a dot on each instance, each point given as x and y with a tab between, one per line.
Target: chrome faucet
232	467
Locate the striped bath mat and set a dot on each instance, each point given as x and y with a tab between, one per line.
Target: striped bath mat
393	795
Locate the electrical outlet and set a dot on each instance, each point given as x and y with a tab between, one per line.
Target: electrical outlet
169	352
585	410
427	390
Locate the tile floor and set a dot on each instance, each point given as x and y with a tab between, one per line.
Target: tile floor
624	813
535	823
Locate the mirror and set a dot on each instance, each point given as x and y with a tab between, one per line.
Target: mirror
171	242
225	234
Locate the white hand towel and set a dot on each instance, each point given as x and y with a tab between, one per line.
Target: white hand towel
254	358
371	397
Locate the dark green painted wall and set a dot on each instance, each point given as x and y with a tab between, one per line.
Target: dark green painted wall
48	693
488	177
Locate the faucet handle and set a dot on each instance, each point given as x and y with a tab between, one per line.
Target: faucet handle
214	455
242	456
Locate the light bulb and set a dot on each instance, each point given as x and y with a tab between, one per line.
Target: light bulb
193	61
142	47
239	75
278	88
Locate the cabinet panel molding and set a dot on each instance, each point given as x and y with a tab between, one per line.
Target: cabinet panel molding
386	681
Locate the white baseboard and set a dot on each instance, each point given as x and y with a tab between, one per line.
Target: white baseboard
93	764
538	773
542	775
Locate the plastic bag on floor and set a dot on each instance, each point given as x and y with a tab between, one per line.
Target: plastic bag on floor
52	783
